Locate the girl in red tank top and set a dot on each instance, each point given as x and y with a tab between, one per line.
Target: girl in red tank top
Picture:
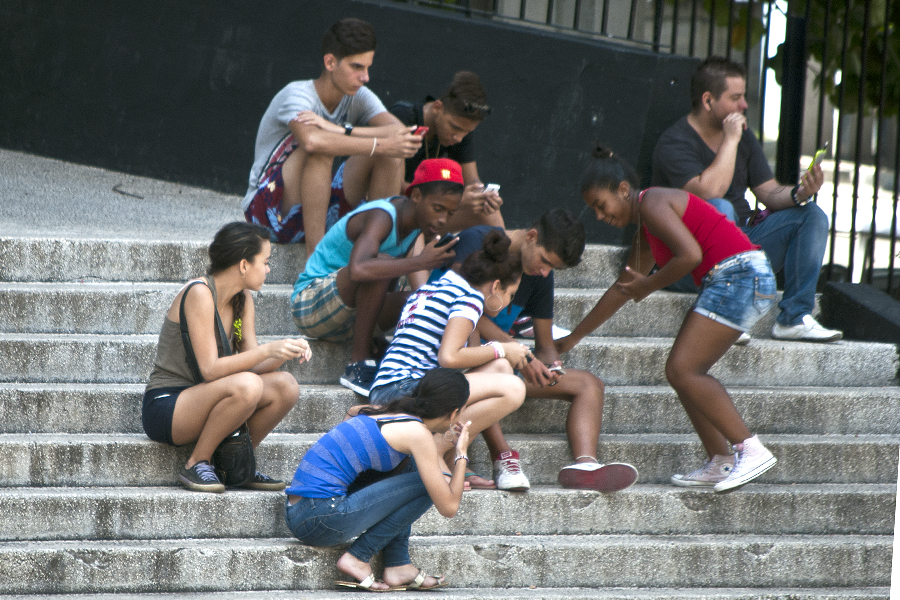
683	234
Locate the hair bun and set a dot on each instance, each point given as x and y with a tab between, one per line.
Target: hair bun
496	246
601	151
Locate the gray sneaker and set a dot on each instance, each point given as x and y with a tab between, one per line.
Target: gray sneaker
712	472
201	478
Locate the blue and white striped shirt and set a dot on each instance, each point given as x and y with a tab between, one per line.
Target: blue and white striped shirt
414	348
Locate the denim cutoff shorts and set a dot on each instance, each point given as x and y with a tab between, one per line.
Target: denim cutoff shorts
383	394
738	291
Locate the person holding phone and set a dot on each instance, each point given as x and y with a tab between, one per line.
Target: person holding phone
291	191
451	121
555	241
685	235
436	330
711	153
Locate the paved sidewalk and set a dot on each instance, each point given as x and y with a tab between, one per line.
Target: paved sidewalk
41	197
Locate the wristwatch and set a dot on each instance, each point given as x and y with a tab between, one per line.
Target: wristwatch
348	128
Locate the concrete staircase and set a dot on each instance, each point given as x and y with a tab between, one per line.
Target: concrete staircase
89	505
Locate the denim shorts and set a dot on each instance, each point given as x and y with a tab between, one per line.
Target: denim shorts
383	394
157	411
738	291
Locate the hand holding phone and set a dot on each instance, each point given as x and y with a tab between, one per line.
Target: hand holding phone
818	157
420	131
492	187
556	369
446	239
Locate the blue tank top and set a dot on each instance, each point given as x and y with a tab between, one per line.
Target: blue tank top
337	459
333	252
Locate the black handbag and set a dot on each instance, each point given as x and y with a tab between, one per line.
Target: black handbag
233	460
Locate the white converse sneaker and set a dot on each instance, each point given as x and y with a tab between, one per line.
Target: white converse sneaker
713	471
808	331
751	459
508	473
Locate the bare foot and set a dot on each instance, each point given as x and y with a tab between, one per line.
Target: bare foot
358	570
477	482
406	574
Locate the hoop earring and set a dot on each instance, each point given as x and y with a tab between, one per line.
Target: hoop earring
499	308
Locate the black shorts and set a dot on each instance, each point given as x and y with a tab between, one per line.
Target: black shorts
156	415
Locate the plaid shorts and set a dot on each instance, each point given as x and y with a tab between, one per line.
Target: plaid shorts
319	312
265	207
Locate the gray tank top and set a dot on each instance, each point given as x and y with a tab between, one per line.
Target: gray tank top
170	368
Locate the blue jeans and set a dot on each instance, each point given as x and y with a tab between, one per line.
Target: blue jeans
794	239
738	291
381	514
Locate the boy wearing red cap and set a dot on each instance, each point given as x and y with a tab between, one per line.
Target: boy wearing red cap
344	290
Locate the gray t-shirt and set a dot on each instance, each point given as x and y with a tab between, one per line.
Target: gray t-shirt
295	97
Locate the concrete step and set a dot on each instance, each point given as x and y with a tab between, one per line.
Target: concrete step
56	358
125	308
468	561
124	513
76	259
523	593
133	460
116	408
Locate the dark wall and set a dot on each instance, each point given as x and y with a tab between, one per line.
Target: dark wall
175	90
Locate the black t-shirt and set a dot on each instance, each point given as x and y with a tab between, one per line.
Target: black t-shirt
681	154
413	113
534	298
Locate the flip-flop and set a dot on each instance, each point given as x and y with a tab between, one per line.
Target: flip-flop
466	486
481	486
416	584
365	584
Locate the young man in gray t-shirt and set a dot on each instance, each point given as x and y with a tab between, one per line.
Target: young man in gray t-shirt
309	123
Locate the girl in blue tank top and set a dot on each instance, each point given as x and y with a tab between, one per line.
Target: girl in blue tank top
375	474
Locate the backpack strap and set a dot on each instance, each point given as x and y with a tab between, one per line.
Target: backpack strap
189	356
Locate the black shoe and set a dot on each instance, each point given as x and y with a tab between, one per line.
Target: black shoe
264	483
201	478
359	376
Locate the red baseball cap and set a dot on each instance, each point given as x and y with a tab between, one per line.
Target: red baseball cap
437	169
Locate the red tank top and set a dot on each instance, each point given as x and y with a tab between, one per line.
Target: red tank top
718	237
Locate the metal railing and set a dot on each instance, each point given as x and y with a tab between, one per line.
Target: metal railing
853	95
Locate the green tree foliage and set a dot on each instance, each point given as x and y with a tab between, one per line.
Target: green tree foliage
838	15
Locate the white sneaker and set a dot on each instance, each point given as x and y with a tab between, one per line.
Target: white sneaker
751	459
713	471
808	331
508	473
743	340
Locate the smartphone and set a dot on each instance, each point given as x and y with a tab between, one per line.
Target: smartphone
448	237
492	187
557	369
420	131
818	157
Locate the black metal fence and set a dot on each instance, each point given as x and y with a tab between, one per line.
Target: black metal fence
848	93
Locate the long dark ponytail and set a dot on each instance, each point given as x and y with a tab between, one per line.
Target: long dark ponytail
440	392
233	243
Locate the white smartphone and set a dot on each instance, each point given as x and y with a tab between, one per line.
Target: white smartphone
492	187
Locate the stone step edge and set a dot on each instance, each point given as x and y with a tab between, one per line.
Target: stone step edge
525	593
